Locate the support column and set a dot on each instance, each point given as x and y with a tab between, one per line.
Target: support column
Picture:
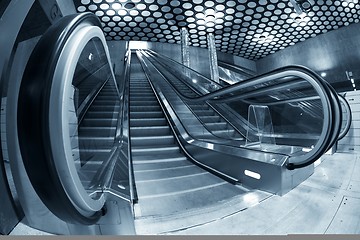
214	70
185	54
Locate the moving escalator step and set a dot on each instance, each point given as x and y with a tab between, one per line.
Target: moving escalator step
167	182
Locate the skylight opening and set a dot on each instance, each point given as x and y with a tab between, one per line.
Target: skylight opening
133	45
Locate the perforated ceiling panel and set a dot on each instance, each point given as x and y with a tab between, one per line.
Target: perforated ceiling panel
250	29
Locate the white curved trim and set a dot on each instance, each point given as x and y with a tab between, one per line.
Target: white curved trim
58	119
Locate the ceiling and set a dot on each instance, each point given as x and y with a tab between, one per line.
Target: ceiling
249	29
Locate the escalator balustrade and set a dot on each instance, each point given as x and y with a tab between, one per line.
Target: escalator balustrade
167	182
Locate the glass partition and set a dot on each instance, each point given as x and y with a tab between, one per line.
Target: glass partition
91	73
260	130
231	77
232	74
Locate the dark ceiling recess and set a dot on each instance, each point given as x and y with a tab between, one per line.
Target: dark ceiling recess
129	5
250	29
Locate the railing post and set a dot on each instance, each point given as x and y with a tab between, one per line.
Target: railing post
185	55
214	71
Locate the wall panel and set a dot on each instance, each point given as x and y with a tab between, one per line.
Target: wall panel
333	53
351	142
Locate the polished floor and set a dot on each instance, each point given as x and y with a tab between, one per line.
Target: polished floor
326	203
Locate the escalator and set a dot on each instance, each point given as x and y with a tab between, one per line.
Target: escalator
285	98
96	129
210	118
229	72
167	182
150	147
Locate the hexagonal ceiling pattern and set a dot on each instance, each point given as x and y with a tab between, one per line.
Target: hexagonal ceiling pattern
250	29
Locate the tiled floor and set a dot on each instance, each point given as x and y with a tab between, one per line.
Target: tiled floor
326	203
23	229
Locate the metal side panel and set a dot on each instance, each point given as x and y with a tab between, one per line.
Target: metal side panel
36	214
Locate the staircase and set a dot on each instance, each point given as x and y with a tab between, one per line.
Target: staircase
97	132
213	121
167	182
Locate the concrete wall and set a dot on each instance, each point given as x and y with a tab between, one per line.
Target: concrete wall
239	61
333	53
199	57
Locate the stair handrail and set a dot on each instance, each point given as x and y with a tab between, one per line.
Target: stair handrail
348	118
123	125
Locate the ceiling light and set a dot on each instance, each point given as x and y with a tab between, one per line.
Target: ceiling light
201	22
110	12
210	18
116	6
122	12
210	12
300	19
210	24
263	38
301	6
219	15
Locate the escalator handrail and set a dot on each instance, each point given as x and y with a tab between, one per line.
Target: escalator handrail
337	115
33	119
183	135
123	127
214	108
348	119
167	60
238	120
229	98
328	131
236	69
216	95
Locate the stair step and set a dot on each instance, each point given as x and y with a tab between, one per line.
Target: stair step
201	113
95	142
142	98
156	160
144	108
143	102
217	126
97	131
99	122
144	141
149	131
147	122
104	114
149	166
155	150
106	108
106	102
153	114
168	173
107	97
199	107
140	94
